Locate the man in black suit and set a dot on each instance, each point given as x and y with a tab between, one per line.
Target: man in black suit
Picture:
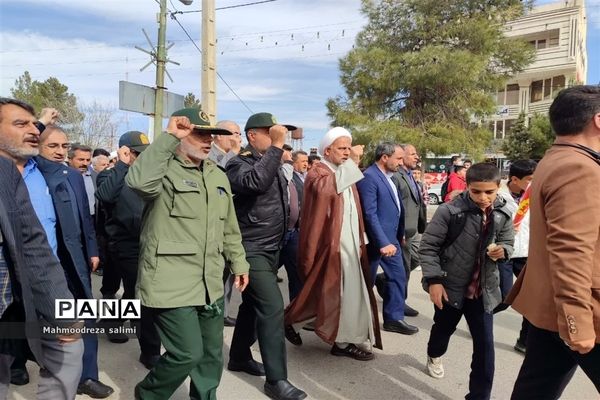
32	279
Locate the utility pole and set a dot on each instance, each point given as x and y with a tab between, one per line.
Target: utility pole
161	59
209	61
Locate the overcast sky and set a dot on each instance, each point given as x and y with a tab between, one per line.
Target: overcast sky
280	57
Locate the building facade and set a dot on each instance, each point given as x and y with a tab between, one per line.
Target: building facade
558	33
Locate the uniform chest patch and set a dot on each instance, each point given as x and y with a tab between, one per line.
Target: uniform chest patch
189	183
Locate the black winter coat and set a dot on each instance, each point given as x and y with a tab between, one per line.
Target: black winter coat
260	197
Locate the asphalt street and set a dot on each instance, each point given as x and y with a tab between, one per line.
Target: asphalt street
397	372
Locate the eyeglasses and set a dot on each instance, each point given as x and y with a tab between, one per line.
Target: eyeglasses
65	146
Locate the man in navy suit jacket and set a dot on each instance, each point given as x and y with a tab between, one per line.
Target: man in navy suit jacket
384	222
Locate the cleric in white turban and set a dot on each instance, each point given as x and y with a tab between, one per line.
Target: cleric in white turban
337	294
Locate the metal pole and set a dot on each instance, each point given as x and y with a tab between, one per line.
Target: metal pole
209	62
161	57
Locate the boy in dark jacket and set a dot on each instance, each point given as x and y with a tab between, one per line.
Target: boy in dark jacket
459	251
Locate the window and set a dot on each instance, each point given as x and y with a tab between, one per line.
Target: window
500	97
537	91
512	94
508	124
544	40
499	127
546	89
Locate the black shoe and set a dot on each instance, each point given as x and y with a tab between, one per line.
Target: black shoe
149	361
352	351
409	311
400	327
251	367
519	346
229	321
283	390
19	376
95	389
380	284
292	336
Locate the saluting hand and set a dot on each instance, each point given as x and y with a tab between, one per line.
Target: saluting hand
179	127
124	154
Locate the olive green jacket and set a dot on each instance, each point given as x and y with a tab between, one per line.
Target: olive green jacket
188	226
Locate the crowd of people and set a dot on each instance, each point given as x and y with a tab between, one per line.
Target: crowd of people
183	222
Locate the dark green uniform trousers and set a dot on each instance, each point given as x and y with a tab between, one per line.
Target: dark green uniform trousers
193	340
261	317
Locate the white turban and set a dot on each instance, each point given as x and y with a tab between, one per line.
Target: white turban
331	136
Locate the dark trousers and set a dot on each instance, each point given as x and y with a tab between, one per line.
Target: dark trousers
507	269
111	278
549	365
145	329
407	261
288	257
394	285
261	317
193	341
90	354
481	327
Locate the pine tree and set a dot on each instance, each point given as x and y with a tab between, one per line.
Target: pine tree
518	145
422	70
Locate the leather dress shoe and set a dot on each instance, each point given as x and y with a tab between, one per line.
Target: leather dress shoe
149	360
251	367
400	327
292	336
228	321
283	390
19	376
352	351
95	389
409	311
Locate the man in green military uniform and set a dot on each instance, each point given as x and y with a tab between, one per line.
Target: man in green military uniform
261	204
189	224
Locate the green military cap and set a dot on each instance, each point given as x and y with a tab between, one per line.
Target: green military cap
200	120
264	120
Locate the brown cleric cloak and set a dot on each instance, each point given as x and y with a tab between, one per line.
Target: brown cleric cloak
319	263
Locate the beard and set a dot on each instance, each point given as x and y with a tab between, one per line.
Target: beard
19	153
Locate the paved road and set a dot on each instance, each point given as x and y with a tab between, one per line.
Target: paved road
396	373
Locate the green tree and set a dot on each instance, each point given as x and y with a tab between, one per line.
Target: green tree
541	134
528	141
190	100
49	93
518	145
422	70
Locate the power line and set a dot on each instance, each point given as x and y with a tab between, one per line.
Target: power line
218	74
227	7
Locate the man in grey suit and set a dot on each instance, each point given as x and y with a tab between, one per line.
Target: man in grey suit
222	149
415	211
31	276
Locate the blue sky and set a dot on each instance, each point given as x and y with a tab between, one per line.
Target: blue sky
280	57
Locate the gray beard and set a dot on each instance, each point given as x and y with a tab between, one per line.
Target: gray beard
19	153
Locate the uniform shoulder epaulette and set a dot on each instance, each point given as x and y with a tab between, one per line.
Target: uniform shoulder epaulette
246	153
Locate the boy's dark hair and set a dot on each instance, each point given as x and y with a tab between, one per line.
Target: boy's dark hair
287	147
453	159
4	101
468	161
100	152
458	168
483	172
521	168
573	109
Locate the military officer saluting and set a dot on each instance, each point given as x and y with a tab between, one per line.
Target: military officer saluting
261	204
189	224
